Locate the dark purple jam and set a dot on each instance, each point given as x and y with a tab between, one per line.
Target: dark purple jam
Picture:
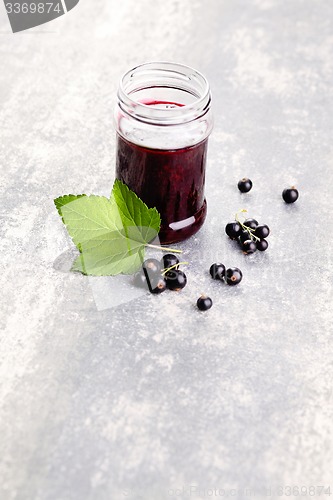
170	180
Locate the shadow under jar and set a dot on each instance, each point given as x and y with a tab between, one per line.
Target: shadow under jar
163	120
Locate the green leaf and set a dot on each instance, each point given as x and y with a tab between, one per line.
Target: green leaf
105	257
63	200
135	214
111	234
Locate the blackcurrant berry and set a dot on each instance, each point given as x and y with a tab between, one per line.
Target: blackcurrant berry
204	303
169	260
152	265
175	280
159	286
262	245
252	223
140	280
233	230
146	279
249	246
217	271
233	276
262	231
244	236
245	185
290	195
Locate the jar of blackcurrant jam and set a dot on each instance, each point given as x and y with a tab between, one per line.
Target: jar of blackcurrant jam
163	119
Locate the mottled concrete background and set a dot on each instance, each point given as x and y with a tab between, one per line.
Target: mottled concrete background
150	396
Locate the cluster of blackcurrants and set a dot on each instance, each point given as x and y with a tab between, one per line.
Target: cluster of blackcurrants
250	235
158	275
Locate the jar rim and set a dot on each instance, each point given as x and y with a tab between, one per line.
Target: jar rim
169	75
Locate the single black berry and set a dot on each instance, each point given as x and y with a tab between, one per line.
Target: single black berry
152	265
140	280
175	280
249	246
169	260
244	236
204	303
252	223
159	286
262	245
262	231
217	271
233	276
147	279
245	185
233	230
290	195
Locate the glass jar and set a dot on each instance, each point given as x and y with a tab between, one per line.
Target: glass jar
163	120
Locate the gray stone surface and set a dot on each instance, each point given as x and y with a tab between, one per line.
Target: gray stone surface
101	401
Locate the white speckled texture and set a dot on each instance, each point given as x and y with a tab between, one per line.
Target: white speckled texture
141	399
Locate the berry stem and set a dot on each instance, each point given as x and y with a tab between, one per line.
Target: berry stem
244	227
165	249
167	269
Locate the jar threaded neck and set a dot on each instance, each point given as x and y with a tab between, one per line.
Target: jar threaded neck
167	82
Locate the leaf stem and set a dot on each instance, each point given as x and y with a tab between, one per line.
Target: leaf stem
165	249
